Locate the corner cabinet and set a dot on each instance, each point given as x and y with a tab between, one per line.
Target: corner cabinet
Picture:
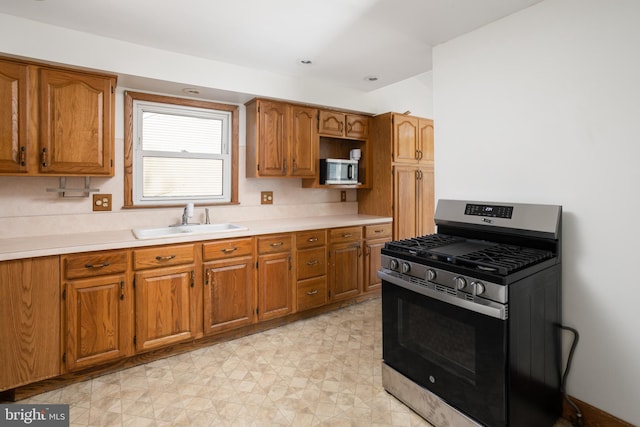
281	139
403	186
29	324
55	121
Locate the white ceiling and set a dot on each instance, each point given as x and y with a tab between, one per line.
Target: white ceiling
347	40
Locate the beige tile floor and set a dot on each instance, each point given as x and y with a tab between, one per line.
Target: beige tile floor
323	371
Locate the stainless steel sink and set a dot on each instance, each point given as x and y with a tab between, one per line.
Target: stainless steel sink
172	231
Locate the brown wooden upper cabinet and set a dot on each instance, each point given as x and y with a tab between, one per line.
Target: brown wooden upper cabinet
342	125
282	139
413	139
55	121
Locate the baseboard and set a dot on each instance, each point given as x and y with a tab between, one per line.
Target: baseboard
591	416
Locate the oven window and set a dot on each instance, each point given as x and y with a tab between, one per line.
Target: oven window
444	341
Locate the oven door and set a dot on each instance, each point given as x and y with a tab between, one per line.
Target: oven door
455	352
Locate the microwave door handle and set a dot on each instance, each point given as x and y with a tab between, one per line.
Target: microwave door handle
350	171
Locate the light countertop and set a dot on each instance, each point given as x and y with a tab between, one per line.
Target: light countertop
29	247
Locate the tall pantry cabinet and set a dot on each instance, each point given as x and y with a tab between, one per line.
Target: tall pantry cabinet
403	184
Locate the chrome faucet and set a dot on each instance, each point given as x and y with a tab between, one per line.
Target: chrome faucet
187	213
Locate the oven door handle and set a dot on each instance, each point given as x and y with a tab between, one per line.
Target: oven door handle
488	308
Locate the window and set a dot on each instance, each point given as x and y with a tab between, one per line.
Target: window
179	151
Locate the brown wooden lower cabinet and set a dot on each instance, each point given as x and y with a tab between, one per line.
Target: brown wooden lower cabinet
345	263
29	324
275	276
228	294
376	237
165	311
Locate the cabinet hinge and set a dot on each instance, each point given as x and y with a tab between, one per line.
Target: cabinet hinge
258	108
256	265
135	340
258	166
193	280
111	163
64	293
257	311
64	357
113	90
134	283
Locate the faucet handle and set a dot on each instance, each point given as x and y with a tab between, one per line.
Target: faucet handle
206	213
188	210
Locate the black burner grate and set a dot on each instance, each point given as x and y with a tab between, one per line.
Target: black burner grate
420	245
503	259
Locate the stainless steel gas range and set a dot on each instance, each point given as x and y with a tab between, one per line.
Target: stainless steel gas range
471	316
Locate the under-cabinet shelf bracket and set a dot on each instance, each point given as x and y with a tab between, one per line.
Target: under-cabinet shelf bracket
62	190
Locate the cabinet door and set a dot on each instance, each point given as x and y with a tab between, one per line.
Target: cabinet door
228	294
274	285
331	123
76	123
405	202
164	306
273	137
357	126
405	139
304	141
426	202
372	263
97	321
426	141
30	321
346	270
13	117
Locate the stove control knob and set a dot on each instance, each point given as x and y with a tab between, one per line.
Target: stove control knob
460	283
431	275
394	264
406	267
479	286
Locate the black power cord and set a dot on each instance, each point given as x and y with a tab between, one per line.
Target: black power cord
579	421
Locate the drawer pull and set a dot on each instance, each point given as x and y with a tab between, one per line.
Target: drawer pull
104	264
165	258
312	262
276	244
229	250
313	292
312	239
347	235
378	231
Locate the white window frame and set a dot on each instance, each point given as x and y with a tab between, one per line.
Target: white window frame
141	106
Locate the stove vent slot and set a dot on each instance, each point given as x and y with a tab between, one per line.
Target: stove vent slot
469	297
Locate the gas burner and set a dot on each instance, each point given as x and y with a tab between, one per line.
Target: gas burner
419	246
503	259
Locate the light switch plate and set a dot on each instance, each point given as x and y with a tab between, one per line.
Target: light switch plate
102	202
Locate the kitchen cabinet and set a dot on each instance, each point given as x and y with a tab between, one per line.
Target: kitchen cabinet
275	276
282	139
345	262
55	121
228	284
413	201
30	321
165	295
311	269
343	125
412	139
98	308
403	185
14	91
375	237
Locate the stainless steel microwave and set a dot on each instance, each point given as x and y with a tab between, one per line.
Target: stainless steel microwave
338	171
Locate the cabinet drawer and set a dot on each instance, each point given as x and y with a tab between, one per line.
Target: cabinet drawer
312	262
275	243
94	264
346	234
312	293
310	239
227	249
378	231
162	256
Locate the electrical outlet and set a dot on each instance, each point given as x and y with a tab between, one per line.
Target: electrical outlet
343	196
102	202
266	197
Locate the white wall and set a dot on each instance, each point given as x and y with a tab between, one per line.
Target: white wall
27	209
543	107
